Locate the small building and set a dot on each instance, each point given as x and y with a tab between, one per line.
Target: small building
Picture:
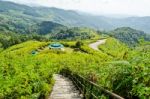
56	46
34	52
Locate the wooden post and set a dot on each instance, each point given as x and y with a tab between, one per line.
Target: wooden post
91	97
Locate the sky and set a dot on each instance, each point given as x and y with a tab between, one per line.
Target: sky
97	7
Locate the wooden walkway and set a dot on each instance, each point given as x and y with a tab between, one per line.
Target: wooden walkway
64	89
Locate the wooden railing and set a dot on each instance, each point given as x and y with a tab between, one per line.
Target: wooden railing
89	89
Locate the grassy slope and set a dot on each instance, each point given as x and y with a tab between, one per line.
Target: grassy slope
31	75
133	66
114	48
24	75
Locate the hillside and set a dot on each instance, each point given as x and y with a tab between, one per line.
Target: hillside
28	16
103	54
48	27
129	36
38	20
112	44
24	16
75	33
31	74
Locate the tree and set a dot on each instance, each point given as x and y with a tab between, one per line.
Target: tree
79	44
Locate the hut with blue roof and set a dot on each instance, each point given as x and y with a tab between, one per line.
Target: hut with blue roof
56	46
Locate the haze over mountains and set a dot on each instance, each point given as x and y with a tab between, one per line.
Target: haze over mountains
18	13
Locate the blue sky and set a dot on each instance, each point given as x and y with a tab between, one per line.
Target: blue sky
99	7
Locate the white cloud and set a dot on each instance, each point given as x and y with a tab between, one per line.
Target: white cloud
129	7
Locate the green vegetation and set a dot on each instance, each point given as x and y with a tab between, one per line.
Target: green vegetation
75	33
23	17
9	39
114	48
27	64
134	63
24	75
129	36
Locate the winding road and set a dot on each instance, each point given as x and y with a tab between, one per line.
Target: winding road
96	44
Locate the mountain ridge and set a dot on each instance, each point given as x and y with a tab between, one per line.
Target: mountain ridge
74	18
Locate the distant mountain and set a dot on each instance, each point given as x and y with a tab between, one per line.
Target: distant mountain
24	17
129	36
139	23
65	17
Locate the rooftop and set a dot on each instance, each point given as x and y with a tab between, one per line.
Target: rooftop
56	45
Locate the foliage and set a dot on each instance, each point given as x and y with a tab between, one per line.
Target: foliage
24	75
75	33
47	27
78	44
114	48
140	61
9	39
129	36
27	16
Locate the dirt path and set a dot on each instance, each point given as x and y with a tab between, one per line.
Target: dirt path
64	89
97	43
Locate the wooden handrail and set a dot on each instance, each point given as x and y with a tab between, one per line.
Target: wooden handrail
89	89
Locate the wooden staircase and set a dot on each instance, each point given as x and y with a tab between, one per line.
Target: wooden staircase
64	89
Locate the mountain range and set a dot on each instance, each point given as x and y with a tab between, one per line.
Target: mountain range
22	18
